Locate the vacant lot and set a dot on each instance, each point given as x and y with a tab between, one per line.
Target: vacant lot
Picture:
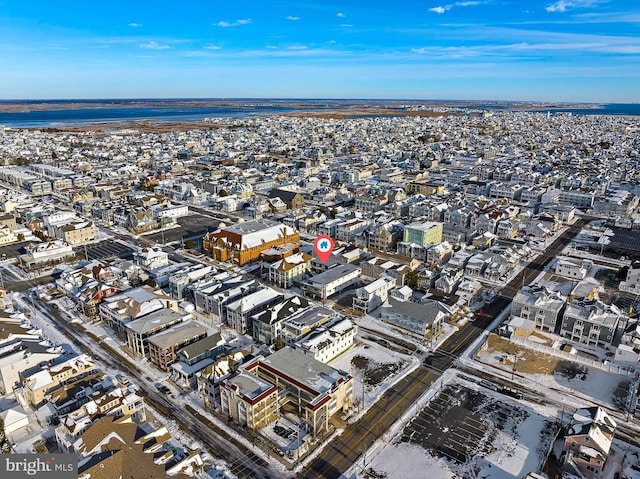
527	362
465	433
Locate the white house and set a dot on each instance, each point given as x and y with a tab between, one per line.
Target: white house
151	258
371	296
573	268
326	342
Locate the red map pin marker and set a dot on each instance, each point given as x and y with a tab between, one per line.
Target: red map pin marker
323	246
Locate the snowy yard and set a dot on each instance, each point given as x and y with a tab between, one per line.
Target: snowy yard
381	368
554	373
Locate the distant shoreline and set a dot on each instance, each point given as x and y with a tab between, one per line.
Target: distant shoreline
13	106
99	114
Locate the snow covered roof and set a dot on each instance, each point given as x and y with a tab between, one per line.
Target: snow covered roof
253	300
303	369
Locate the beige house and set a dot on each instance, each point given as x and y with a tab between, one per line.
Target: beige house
287	271
251	401
8	220
37	385
76	232
588	441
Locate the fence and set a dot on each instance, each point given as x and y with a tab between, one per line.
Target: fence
612	368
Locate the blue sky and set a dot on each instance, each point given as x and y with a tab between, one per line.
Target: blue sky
553	50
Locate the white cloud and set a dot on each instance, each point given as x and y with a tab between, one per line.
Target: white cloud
212	47
446	8
298	47
341	15
153	46
135	25
237	23
564	5
292	18
560	6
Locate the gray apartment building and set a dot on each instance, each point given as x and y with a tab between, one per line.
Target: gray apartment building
590	322
539	305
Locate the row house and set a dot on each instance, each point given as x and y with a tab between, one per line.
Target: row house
352	230
268	324
211	298
303	322
328	341
164	346
241	311
536	303
429	211
371	202
141	329
459	216
385	237
590	322
119	309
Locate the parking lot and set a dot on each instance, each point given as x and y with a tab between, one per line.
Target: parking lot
464	425
104	250
13	250
449	426
192	227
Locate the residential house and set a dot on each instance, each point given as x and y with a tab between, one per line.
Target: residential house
540	305
239	313
267	325
590	322
332	281
141	329
371	296
290	270
573	268
165	345
328	341
587	443
194	358
424	319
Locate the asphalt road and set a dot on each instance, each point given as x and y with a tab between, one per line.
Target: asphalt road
349	447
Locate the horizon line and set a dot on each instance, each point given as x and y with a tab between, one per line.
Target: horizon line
438	100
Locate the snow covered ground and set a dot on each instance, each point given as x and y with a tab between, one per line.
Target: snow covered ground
496	438
382	367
